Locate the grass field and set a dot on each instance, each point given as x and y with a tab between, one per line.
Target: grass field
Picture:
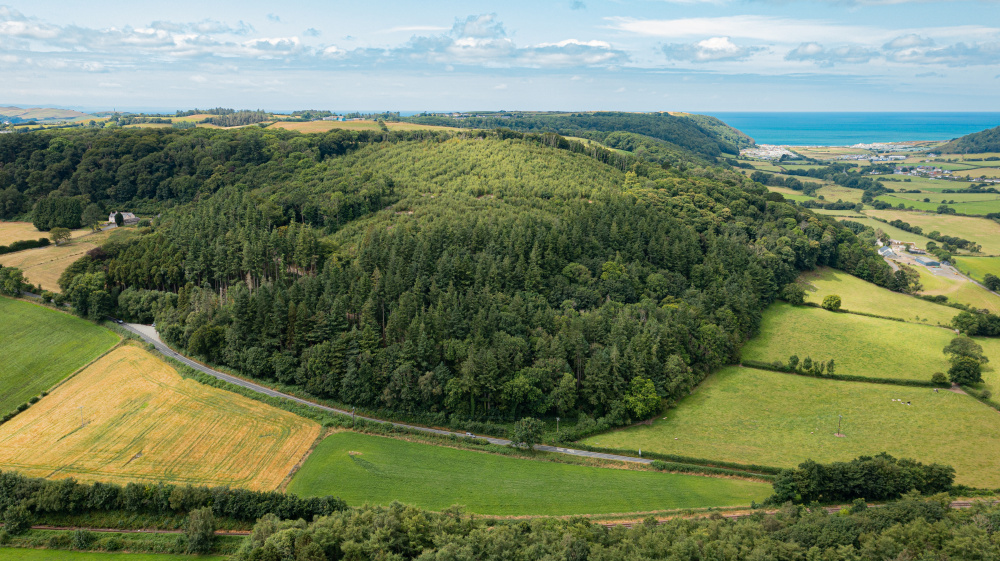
978	267
131	417
834	193
18	231
983	204
769	418
15	554
860	345
44	265
909	182
363	468
961	291
40	347
324	126
862	296
892	231
980	230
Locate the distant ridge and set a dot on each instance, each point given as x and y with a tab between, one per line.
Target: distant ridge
975	143
40	114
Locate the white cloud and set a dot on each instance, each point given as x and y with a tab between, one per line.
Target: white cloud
708	50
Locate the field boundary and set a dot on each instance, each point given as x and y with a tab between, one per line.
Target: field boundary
760	365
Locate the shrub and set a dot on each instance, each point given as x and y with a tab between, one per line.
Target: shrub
200	530
794	294
17	519
832	303
82	539
939	378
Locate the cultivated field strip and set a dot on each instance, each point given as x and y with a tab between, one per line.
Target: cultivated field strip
130	417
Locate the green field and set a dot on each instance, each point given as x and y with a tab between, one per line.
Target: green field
978	267
371	469
860	345
834	193
863	296
768	418
15	554
922	183
40	347
965	205
980	230
961	291
892	231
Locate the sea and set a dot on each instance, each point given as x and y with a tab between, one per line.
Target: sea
845	129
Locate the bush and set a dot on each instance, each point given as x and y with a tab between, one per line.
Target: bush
111	543
832	303
794	294
82	539
939	378
200	530
17	519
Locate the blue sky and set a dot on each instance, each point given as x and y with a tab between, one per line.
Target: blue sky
637	55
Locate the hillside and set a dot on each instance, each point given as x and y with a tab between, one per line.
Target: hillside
975	143
19	115
704	136
489	276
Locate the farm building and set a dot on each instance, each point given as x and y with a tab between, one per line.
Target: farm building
915	250
927	262
886	251
128	217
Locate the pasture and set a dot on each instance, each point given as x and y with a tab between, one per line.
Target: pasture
965	203
863	296
961	291
980	230
363	468
40	347
131	417
769	418
44	265
892	231
978	267
19	554
834	193
18	231
860	345
908	182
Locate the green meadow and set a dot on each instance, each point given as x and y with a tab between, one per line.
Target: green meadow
362	469
40	347
980	230
16	554
892	231
862	296
859	345
769	418
978	267
960	291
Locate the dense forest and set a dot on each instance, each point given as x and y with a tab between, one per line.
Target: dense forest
486	275
706	136
975	143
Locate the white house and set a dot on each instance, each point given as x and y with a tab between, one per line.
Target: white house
128	217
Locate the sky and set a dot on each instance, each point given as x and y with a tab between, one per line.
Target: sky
630	55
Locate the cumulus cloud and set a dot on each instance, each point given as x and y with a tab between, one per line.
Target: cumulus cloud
713	49
847	54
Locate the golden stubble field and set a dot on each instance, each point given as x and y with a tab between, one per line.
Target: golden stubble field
11	232
131	417
44	265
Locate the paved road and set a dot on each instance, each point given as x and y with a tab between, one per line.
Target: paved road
148	333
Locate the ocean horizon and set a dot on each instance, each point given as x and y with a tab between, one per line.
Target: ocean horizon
845	129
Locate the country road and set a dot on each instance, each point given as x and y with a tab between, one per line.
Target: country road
149	334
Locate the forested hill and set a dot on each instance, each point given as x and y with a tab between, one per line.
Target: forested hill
975	143
702	135
488	275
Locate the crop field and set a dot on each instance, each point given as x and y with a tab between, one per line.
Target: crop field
859	345
40	347
892	231
18	231
362	469
18	554
942	198
768	418
833	193
982	172
863	296
324	126
980	230
978	267
44	265
961	291
131	417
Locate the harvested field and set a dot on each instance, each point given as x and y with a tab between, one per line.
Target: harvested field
18	231
131	417
44	265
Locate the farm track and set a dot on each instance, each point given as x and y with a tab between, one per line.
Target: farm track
148	334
